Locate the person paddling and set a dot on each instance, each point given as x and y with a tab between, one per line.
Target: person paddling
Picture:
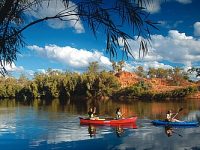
91	113
118	114
170	117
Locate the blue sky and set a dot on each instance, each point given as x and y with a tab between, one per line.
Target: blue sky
65	46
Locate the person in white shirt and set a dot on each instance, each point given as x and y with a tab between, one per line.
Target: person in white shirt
118	114
170	118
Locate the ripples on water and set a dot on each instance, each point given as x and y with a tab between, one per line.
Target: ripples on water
29	127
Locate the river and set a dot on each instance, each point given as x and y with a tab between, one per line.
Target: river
54	125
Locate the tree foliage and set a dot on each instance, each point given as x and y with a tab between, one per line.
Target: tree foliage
111	17
118	66
140	71
194	70
176	75
92	83
55	84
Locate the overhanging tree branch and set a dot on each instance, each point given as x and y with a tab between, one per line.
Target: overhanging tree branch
97	14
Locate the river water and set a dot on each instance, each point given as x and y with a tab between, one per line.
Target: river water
54	125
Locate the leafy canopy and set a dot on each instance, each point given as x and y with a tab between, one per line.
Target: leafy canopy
111	16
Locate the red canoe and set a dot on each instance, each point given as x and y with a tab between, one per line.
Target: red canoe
108	121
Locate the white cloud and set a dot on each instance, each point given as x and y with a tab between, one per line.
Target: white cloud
184	1
74	59
132	66
162	22
176	48
153	6
13	68
155	64
177	23
174	34
197	29
46	70
29	73
41	70
52	8
170	24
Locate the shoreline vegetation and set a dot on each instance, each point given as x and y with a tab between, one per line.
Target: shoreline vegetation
156	84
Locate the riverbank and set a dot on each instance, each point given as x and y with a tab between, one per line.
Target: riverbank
137	88
194	96
97	85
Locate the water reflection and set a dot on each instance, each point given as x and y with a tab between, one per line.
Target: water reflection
142	109
118	129
179	131
91	130
55	125
169	131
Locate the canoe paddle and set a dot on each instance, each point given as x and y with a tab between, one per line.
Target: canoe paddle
169	130
177	134
178	112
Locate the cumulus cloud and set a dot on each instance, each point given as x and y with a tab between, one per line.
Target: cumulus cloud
197	29
176	35
177	23
170	24
41	70
132	66
52	8
184	1
46	70
74	59
176	48
155	64
13	68
154	7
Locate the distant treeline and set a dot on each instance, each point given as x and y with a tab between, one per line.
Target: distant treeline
55	84
93	83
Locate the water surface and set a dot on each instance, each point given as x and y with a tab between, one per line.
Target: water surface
55	125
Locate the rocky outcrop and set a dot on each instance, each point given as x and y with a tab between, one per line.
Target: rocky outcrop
158	85
127	78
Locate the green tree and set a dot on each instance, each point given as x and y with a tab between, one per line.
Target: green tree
115	66
118	66
68	85
121	65
178	76
161	73
34	89
108	84
194	70
140	71
93	67
96	14
152	72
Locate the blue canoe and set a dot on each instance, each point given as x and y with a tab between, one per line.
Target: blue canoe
166	123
